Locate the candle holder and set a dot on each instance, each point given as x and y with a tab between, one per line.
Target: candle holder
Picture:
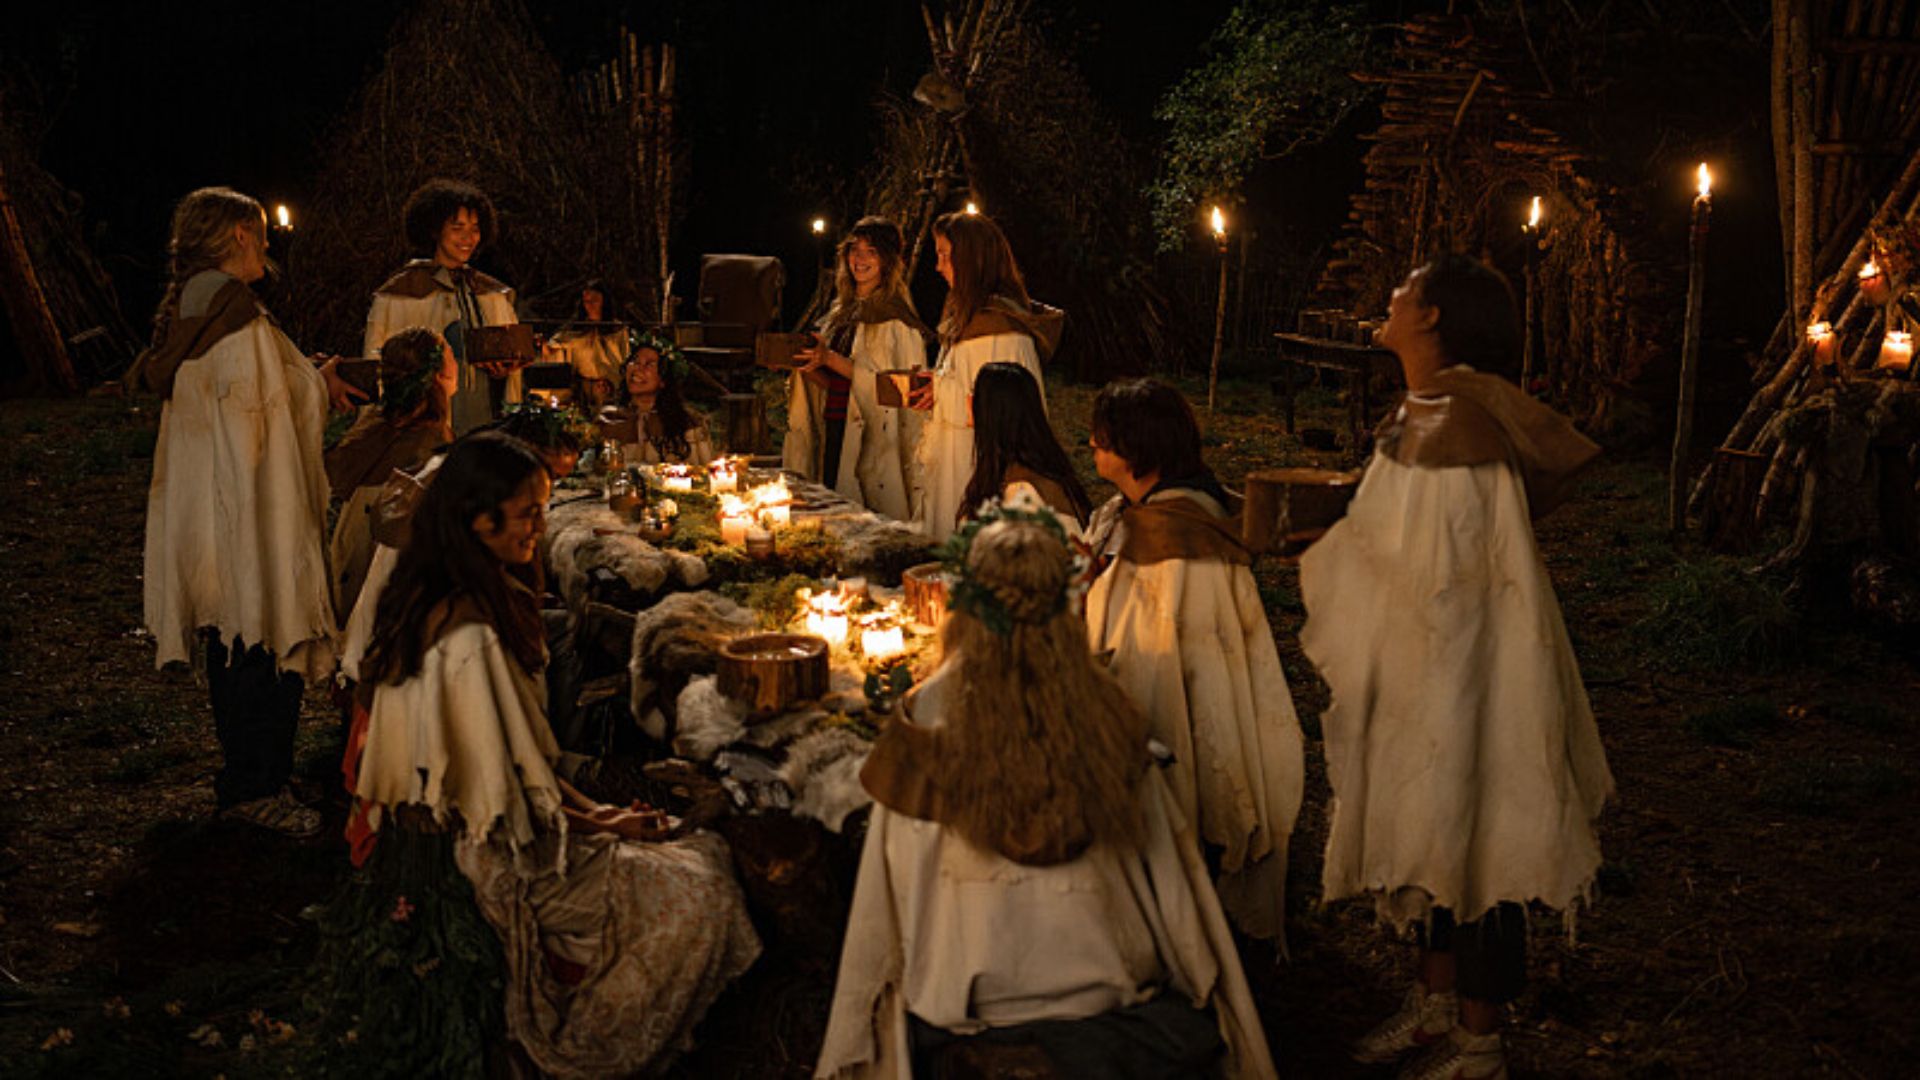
1874	286
1896	352
1820	338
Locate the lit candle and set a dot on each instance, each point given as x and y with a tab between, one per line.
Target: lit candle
1896	351
736	517
972	207
882	642
1873	284
283	216
774	503
819	226
723	476
676	478
1533	215
1820	336
826	616
778	516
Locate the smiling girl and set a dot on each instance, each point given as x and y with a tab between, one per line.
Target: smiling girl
838	432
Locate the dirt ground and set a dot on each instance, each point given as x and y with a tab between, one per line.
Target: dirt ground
1748	919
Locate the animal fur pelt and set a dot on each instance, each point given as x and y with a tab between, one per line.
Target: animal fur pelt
673	641
823	772
706	720
586	536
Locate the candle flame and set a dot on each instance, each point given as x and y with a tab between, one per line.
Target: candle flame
819	226
1705	182
1219	222
1533	216
1819	331
972	207
1899	337
1871	270
284	216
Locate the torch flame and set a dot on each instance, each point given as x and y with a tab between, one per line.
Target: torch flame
972	207
284	216
1705	183
819	225
1533	216
1219	222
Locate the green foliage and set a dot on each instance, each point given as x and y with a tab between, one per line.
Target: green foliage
1710	612
1735	723
1275	79
409	979
775	600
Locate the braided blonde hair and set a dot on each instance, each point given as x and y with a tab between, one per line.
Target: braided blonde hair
201	238
1039	738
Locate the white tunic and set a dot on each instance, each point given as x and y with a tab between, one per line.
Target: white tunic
876	452
236	514
1465	763
437	311
1192	646
944	461
966	939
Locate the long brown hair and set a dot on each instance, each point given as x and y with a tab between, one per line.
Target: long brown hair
983	268
445	564
200	238
1010	428
887	240
1038	736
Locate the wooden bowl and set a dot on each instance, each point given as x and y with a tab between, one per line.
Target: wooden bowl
1287	509
769	672
926	592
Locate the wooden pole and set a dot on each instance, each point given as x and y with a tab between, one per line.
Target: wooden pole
41	346
1689	367
1801	58
1219	324
1783	136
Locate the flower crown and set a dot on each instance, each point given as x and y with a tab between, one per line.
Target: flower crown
673	362
400	396
979	600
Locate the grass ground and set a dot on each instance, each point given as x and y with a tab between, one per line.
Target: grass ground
1750	921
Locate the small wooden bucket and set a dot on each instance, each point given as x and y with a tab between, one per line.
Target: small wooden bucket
925	586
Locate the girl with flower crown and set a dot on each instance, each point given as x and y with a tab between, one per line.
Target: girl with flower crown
655	426
1029	894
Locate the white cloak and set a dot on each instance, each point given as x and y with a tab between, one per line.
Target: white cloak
943	462
1465	763
1192	646
876	453
966	939
437	311
236	515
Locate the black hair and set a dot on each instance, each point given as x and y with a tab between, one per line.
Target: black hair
434	203
669	404
1151	427
1479	323
1010	428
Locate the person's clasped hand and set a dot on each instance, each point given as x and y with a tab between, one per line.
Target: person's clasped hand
341	394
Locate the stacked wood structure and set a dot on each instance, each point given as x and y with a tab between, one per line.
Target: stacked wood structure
1824	433
631	97
56	301
1471	132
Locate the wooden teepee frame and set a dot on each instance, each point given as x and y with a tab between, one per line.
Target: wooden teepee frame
1847	159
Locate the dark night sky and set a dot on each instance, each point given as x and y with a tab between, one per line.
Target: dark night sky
147	103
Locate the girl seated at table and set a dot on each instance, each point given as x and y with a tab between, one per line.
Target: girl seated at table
1014	445
617	934
594	352
418	376
655	426
1027	892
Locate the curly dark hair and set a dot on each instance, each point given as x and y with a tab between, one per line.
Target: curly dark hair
434	203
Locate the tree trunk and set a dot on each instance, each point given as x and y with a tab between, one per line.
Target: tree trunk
41	346
1801	60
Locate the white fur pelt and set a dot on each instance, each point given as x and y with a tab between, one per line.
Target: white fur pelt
823	772
677	637
706	720
576	550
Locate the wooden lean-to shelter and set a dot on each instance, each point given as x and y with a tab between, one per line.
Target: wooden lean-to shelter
1829	432
1471	129
57	304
